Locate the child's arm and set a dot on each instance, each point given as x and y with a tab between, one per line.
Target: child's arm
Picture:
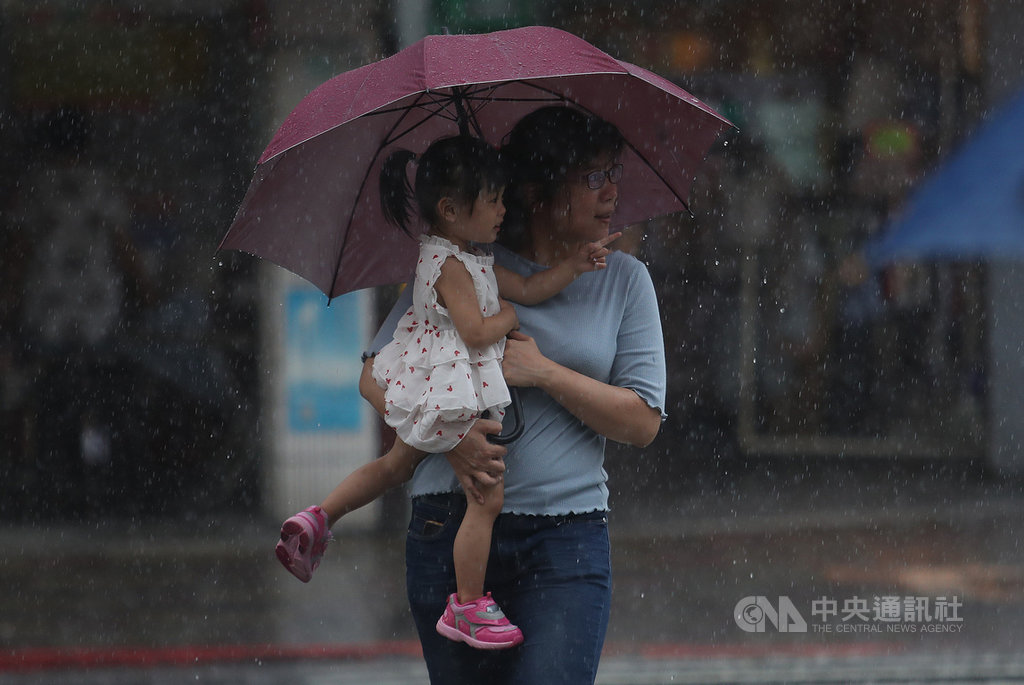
456	292
544	284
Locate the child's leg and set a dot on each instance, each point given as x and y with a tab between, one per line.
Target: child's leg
304	537
473	543
372	480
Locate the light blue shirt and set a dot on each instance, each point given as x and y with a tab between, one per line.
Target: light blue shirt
604	325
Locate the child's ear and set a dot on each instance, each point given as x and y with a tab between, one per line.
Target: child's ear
447	210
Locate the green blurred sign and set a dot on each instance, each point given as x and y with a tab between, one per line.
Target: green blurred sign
482	16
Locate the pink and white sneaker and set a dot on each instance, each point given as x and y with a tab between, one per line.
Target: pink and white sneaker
304	538
480	624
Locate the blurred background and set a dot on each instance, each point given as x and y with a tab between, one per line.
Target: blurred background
147	378
139	372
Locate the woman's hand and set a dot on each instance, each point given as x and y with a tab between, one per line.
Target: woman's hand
477	461
523	366
616	413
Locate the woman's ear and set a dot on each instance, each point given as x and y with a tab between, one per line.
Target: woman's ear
531	194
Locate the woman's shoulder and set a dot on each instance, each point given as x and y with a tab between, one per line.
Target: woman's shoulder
628	276
626	265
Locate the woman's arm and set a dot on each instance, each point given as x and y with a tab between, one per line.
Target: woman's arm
475	460
545	284
456	292
617	413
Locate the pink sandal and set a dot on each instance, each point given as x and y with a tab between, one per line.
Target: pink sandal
304	538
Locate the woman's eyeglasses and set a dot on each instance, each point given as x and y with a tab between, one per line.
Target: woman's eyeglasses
595	179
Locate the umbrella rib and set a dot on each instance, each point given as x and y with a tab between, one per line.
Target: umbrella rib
438	105
553	96
355	205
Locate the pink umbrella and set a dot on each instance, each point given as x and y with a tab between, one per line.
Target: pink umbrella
313	205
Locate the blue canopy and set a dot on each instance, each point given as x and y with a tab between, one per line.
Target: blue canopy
971	207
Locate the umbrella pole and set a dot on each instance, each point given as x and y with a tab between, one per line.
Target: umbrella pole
462	113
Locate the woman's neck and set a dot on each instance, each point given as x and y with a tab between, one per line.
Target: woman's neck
547	250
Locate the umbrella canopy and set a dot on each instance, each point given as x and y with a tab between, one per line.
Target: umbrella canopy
972	207
313	205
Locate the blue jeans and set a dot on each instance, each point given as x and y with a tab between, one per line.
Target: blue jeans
551	575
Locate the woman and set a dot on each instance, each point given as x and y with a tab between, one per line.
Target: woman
590	365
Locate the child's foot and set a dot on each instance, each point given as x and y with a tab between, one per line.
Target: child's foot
303	540
479	624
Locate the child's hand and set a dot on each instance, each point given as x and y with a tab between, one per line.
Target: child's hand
591	257
505	304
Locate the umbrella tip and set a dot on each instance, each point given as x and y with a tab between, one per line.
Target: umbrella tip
445	31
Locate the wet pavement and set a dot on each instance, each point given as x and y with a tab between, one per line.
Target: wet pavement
841	571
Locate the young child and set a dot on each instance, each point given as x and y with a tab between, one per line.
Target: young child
442	370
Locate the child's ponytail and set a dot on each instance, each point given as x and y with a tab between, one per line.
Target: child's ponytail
396	194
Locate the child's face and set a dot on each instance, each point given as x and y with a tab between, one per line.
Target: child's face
484	222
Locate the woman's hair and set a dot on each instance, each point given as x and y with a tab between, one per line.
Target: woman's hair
458	167
542	149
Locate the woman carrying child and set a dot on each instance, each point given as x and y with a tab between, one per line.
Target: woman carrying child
441	372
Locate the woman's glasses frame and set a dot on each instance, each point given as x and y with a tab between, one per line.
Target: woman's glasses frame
595	179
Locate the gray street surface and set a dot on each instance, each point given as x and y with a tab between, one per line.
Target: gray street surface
894	574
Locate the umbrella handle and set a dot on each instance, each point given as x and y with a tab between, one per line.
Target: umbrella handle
518	425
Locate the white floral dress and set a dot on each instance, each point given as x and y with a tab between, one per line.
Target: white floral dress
436	386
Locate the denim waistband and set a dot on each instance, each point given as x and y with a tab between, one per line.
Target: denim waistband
456	501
